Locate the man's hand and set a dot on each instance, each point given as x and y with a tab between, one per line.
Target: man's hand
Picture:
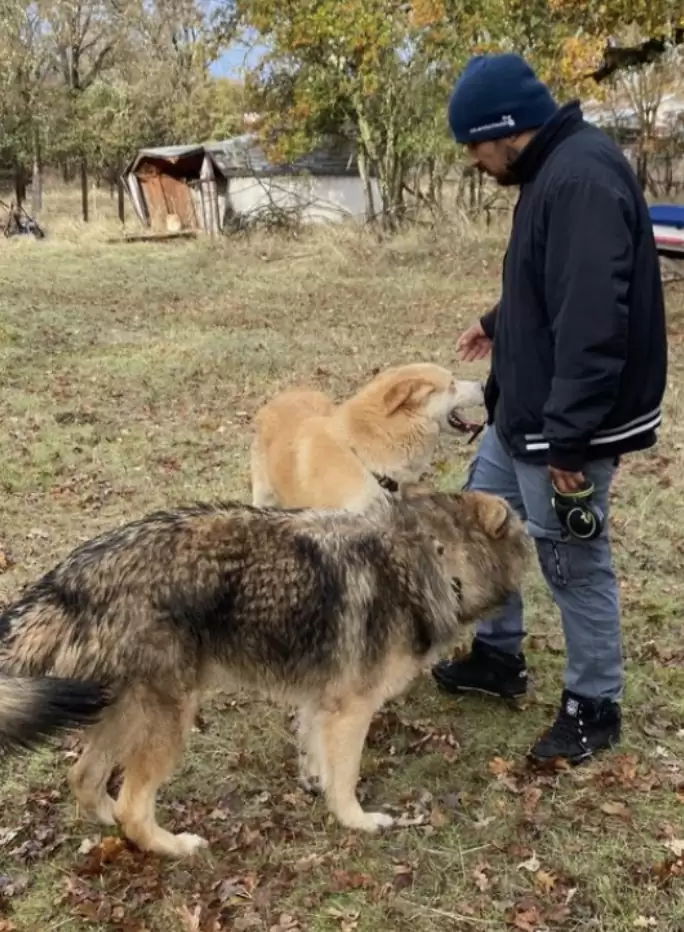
567	482
474	343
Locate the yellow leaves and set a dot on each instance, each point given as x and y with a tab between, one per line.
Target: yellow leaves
581	54
605	17
499	766
545	882
577	57
426	13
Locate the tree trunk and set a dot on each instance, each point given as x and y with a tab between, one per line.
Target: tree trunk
366	181
642	167
462	188
67	171
121	200
37	177
392	174
432	186
439	192
84	188
19	184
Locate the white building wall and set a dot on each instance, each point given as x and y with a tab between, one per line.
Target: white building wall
321	199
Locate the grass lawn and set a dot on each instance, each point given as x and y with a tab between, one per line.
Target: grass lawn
129	377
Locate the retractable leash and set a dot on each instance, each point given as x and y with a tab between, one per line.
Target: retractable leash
576	511
578	514
476	433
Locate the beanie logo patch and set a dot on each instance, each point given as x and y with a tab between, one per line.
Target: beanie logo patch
506	122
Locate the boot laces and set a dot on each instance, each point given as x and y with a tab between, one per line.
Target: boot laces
568	728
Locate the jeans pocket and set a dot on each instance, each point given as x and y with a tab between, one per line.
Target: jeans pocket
574	563
554	561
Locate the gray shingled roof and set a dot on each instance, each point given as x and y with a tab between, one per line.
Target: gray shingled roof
242	156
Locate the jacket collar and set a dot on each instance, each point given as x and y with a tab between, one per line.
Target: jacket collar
565	122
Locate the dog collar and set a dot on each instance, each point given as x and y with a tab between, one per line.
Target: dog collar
387	483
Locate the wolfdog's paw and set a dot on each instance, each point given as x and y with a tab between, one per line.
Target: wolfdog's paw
104	813
309	784
380	819
187	844
370	821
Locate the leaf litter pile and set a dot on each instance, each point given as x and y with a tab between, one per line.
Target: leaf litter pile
277	859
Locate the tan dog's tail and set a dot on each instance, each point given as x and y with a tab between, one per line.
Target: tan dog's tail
34	709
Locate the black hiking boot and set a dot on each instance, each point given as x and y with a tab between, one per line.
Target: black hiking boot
484	670
582	727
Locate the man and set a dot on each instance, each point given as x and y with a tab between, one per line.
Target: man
579	351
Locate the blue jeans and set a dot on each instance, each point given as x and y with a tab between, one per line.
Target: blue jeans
580	575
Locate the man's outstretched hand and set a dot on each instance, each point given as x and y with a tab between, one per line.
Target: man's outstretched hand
474	343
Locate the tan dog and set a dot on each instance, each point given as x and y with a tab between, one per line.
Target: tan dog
308	452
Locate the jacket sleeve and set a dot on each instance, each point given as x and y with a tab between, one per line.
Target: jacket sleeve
488	321
588	267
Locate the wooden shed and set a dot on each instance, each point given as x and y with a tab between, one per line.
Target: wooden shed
210	186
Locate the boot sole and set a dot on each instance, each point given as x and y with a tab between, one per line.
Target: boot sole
573	761
478	690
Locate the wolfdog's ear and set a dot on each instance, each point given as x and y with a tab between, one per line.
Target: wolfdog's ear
412	490
407	392
495	516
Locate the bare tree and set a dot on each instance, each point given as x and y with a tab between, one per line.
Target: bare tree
642	89
85	36
25	68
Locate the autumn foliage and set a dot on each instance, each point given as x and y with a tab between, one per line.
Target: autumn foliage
380	71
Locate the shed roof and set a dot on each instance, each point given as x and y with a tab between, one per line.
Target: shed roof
243	156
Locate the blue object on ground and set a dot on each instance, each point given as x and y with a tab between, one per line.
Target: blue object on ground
670	215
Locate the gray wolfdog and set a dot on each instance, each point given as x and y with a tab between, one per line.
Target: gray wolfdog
32	710
332	612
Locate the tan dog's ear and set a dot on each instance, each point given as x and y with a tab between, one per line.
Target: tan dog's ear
495	516
407	392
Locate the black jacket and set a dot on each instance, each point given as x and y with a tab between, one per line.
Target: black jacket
580	345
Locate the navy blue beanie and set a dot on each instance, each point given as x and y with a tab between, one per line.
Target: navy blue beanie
496	96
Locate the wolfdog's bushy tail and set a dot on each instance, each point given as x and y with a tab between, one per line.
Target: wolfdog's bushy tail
34	709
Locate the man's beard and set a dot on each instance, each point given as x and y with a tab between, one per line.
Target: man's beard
508	177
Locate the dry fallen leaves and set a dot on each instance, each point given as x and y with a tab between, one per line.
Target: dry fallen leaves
531	798
190	919
622	770
545	881
343	881
348	919
527	917
499	766
481	880
616	808
531	864
286	923
403	877
13	886
439	818
676	846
